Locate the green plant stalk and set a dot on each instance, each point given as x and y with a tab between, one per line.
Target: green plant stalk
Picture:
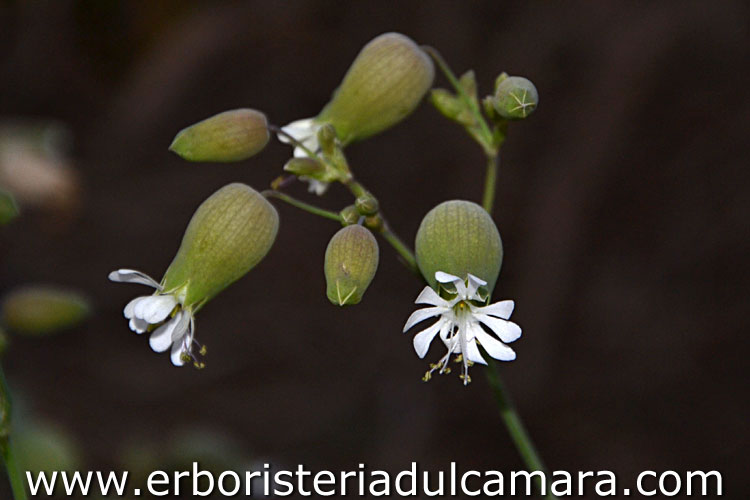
490	181
6	447
514	424
322	212
403	250
14	473
508	412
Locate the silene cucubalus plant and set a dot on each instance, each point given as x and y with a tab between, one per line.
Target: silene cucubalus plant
458	248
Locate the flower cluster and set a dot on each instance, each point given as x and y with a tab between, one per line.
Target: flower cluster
458	249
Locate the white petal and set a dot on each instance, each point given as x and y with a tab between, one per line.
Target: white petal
423	339
422	314
316	186
442	277
176	355
128	312
133	276
161	338
431	297
473	354
502	309
300	130
494	347
155	308
185	327
506	330
138	325
474	284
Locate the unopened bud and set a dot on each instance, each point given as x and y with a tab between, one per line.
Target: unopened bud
232	230
384	84
367	204
327	138
229	136
304	166
349	215
446	103
350	264
40	310
515	97
459	238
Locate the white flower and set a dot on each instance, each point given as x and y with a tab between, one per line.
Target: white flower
305	132
460	325
162	314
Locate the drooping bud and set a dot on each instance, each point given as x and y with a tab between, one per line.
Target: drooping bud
367	204
384	84
515	97
41	310
232	230
349	215
350	264
229	136
459	238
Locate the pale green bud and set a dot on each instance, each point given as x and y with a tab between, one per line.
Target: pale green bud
232	230
459	238
446	103
349	215
384	84
327	139
515	97
229	136
304	166
367	204
350	264
40	310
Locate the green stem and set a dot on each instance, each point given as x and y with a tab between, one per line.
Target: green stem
403	250
14	473
322	212
514	424
6	447
490	181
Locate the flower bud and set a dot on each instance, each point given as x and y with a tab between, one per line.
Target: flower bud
228	235
327	138
229	136
349	215
39	310
459	238
384	84
304	166
515	97
350	264
367	204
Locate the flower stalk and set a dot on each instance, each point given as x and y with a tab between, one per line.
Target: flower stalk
6	446
491	142
312	209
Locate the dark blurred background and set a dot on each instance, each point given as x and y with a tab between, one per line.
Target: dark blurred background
623	205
